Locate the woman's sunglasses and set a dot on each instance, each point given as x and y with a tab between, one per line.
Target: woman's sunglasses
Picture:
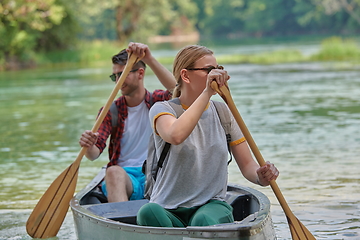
207	69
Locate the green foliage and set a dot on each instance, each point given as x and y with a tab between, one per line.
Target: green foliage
62	35
280	56
219	18
337	49
105	28
22	23
144	18
335	16
257	18
41	26
93	52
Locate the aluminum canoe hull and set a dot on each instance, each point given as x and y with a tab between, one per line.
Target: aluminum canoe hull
93	221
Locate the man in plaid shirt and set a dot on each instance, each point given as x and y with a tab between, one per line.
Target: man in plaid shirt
128	146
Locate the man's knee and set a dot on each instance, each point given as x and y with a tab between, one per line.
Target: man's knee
115	172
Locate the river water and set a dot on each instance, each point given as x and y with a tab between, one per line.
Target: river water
304	117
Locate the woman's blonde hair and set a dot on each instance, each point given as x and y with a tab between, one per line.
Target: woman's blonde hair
186	58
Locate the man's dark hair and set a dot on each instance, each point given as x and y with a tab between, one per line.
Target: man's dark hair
121	58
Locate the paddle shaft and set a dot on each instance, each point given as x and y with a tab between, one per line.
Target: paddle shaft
297	229
49	213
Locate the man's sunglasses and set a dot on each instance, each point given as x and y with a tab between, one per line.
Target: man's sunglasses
115	76
207	69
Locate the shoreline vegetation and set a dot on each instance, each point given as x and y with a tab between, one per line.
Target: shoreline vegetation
333	49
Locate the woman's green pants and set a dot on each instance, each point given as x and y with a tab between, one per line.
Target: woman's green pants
213	212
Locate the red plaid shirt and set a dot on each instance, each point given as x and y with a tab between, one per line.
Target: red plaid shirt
106	126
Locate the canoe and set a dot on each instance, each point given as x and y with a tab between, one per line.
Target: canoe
94	218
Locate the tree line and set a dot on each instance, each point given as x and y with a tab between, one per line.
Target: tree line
28	27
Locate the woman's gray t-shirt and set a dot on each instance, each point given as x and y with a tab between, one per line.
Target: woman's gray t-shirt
194	171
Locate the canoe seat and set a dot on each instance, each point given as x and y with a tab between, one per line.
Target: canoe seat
243	206
120	211
126	211
95	196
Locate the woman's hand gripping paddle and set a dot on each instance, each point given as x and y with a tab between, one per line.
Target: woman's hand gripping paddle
49	213
297	229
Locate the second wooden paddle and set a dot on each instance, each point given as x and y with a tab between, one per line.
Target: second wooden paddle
49	213
297	229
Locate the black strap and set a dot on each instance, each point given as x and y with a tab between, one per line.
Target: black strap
114	114
163	154
151	100
228	140
225	121
162	158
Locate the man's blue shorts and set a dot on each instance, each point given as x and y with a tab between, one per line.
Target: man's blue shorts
138	182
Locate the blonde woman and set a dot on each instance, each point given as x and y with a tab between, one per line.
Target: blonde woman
190	187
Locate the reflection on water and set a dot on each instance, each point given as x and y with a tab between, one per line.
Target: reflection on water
304	117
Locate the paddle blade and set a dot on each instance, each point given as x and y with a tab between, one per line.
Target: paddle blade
49	213
298	230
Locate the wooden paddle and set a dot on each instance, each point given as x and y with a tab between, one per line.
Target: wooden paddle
49	213
297	229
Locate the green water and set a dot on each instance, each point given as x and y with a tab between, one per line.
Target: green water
304	117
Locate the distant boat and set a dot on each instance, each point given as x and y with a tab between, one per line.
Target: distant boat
96	219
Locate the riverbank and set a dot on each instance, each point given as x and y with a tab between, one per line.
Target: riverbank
99	53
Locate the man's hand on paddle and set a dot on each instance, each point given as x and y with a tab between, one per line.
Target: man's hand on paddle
88	139
140	50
